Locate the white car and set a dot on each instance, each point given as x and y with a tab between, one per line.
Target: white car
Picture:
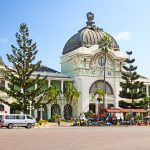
17	120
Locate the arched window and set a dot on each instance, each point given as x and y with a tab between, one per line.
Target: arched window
100	85
1	107
55	109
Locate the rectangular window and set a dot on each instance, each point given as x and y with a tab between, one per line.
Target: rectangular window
29	117
9	117
144	89
45	85
20	117
56	83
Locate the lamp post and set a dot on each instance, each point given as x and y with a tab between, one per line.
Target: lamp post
30	107
41	110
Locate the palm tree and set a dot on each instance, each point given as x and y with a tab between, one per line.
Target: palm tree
100	93
105	44
71	94
51	94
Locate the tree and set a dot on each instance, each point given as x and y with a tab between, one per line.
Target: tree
131	87
146	103
51	94
21	84
100	93
105	44
71	95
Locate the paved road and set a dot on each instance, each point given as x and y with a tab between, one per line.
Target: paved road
76	138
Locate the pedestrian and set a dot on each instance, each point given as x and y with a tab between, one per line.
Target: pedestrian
0	123
58	121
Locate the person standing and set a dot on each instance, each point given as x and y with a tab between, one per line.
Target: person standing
58	121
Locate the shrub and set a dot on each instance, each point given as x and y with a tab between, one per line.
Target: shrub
89	114
54	117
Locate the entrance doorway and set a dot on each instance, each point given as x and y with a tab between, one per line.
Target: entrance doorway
92	107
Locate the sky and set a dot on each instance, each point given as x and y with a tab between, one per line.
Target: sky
52	22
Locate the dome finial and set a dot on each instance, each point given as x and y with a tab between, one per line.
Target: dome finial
90	18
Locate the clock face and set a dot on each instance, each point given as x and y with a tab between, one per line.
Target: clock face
101	60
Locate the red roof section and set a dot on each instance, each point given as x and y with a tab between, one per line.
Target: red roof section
124	110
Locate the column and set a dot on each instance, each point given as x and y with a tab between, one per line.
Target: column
62	111
35	86
6	84
62	86
147	91
49	82
49	111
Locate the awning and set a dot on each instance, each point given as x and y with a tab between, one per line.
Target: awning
112	110
124	110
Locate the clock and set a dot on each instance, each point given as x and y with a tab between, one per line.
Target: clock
101	60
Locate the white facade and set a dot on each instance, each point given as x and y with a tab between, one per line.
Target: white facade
85	70
82	60
81	63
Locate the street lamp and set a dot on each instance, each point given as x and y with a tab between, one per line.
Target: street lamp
41	110
30	107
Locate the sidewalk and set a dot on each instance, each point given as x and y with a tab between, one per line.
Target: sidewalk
49	125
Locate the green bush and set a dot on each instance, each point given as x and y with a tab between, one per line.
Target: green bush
40	122
89	114
54	117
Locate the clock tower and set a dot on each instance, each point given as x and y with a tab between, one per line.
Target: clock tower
83	60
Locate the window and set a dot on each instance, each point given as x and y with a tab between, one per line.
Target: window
29	117
9	117
1	117
99	84
1	107
20	117
144	89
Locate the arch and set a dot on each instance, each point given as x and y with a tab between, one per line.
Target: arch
99	84
67	111
55	109
1	107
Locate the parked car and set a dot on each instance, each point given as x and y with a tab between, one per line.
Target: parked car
17	120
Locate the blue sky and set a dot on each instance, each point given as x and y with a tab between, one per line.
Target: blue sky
52	23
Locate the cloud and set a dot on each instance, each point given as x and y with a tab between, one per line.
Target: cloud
3	40
123	36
